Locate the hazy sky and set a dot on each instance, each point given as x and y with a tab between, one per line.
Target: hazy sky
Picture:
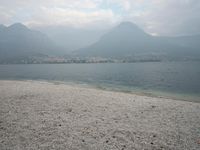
162	17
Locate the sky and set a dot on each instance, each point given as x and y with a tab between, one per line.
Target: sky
157	17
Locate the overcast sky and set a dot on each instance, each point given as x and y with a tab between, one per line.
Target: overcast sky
161	17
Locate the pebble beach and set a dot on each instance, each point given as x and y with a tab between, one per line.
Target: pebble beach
43	115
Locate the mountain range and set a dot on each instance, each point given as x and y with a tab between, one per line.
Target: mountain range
125	41
128	40
17	41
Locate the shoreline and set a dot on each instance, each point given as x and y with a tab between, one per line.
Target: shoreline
139	92
43	115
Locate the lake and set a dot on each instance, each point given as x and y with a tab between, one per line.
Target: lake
180	80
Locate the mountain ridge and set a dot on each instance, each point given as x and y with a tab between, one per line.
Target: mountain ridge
125	41
128	40
17	41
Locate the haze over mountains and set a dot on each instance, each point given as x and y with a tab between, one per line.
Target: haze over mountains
71	38
17	41
125	41
128	40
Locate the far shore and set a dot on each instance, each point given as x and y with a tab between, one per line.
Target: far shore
53	115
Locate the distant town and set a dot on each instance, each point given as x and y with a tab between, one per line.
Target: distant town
71	60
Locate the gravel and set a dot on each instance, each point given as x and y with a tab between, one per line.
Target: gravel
41	115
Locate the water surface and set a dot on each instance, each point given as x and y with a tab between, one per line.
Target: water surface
172	79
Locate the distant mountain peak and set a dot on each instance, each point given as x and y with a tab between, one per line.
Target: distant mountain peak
2	26
130	27
127	24
18	26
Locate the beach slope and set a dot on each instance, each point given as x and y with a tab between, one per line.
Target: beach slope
41	115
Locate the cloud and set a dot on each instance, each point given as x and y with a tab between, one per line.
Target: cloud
161	17
167	17
60	16
56	12
5	15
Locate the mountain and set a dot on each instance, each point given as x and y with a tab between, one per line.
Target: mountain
127	41
192	41
2	27
19	41
71	38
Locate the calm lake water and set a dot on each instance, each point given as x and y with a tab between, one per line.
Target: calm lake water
169	79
